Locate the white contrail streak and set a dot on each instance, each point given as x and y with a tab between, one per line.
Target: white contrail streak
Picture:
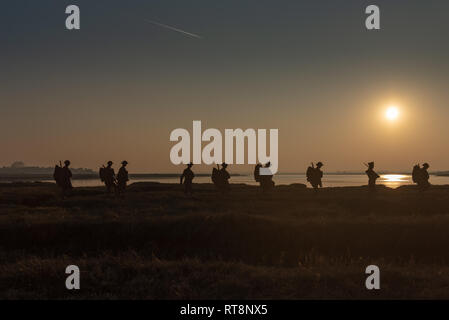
174	29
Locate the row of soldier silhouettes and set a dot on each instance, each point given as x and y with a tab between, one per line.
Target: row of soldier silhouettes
220	177
116	184
314	174
420	176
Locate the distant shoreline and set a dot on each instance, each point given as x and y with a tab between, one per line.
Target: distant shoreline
45	177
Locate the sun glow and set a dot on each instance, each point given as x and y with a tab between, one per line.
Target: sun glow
392	113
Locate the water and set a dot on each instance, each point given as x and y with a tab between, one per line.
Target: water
329	180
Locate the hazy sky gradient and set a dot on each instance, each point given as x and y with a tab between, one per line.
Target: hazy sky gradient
116	88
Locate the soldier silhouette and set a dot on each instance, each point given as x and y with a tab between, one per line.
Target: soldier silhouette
257	172
319	174
266	181
216	177
108	176
224	178
372	176
421	176
63	176
187	176
122	179
314	175
425	176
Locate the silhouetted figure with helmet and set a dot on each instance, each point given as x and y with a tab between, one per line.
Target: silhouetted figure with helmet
107	175
314	175
257	172
224	176
216	177
187	176
372	176
421	176
63	176
122	179
265	180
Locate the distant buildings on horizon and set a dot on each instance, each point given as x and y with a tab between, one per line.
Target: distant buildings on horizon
19	168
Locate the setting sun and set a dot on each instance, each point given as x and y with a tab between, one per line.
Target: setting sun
392	113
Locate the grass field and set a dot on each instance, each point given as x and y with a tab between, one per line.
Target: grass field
289	244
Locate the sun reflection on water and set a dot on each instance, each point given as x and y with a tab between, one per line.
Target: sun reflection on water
395	180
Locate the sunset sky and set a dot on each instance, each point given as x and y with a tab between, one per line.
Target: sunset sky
115	89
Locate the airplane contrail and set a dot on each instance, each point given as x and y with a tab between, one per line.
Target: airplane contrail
174	29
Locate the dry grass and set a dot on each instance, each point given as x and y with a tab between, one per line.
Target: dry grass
159	244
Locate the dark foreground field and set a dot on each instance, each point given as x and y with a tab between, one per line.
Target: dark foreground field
158	244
